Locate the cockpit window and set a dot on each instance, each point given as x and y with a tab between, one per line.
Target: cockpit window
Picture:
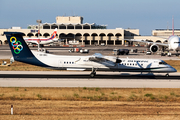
162	63
96	59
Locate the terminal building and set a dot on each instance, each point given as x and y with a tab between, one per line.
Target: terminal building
72	28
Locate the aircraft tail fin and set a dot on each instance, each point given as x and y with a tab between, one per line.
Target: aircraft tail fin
20	50
17	45
54	34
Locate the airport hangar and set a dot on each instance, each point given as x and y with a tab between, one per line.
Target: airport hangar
72	28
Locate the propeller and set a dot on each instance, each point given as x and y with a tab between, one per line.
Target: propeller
118	60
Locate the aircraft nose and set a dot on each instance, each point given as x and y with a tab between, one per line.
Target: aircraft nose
173	69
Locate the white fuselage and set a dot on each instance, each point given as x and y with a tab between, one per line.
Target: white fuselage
42	41
174	43
108	63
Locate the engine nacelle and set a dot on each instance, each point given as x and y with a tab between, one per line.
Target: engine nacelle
154	48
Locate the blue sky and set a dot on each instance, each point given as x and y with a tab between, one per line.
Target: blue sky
141	14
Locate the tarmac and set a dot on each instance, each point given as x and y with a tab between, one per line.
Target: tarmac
82	79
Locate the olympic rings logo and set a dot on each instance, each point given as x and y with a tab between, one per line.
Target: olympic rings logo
17	45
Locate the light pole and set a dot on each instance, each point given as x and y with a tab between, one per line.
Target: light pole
39	22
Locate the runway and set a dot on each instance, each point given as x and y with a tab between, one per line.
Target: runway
82	79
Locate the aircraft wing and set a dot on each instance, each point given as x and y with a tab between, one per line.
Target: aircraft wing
98	55
136	40
99	58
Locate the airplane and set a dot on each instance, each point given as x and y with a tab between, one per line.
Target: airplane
173	42
93	63
42	41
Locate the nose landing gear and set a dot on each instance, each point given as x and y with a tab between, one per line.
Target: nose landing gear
167	75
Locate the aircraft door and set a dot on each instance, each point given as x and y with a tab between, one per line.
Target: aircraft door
60	63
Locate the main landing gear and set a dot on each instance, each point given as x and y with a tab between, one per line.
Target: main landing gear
93	73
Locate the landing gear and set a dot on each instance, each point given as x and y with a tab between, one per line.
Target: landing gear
177	54
93	73
167	75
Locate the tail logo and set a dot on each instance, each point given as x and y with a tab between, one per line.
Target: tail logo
17	45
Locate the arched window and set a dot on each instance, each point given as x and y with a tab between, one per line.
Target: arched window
86	35
24	34
30	34
78	26
46	35
62	26
78	36
46	26
70	26
94	39
54	26
158	41
110	36
37	34
86	26
70	36
118	41
102	35
62	36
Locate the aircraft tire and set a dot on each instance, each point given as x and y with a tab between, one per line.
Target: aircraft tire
92	75
167	75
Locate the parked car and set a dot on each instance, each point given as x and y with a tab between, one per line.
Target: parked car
84	51
74	50
102	44
120	51
148	53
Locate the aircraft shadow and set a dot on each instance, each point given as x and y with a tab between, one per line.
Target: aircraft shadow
87	76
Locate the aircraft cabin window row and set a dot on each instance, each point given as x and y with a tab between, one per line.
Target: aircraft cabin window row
130	64
68	62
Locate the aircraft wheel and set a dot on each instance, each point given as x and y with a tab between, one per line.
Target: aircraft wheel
92	74
167	75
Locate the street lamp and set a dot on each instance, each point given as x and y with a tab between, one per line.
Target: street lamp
39	22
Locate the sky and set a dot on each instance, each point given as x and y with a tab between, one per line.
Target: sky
145	15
